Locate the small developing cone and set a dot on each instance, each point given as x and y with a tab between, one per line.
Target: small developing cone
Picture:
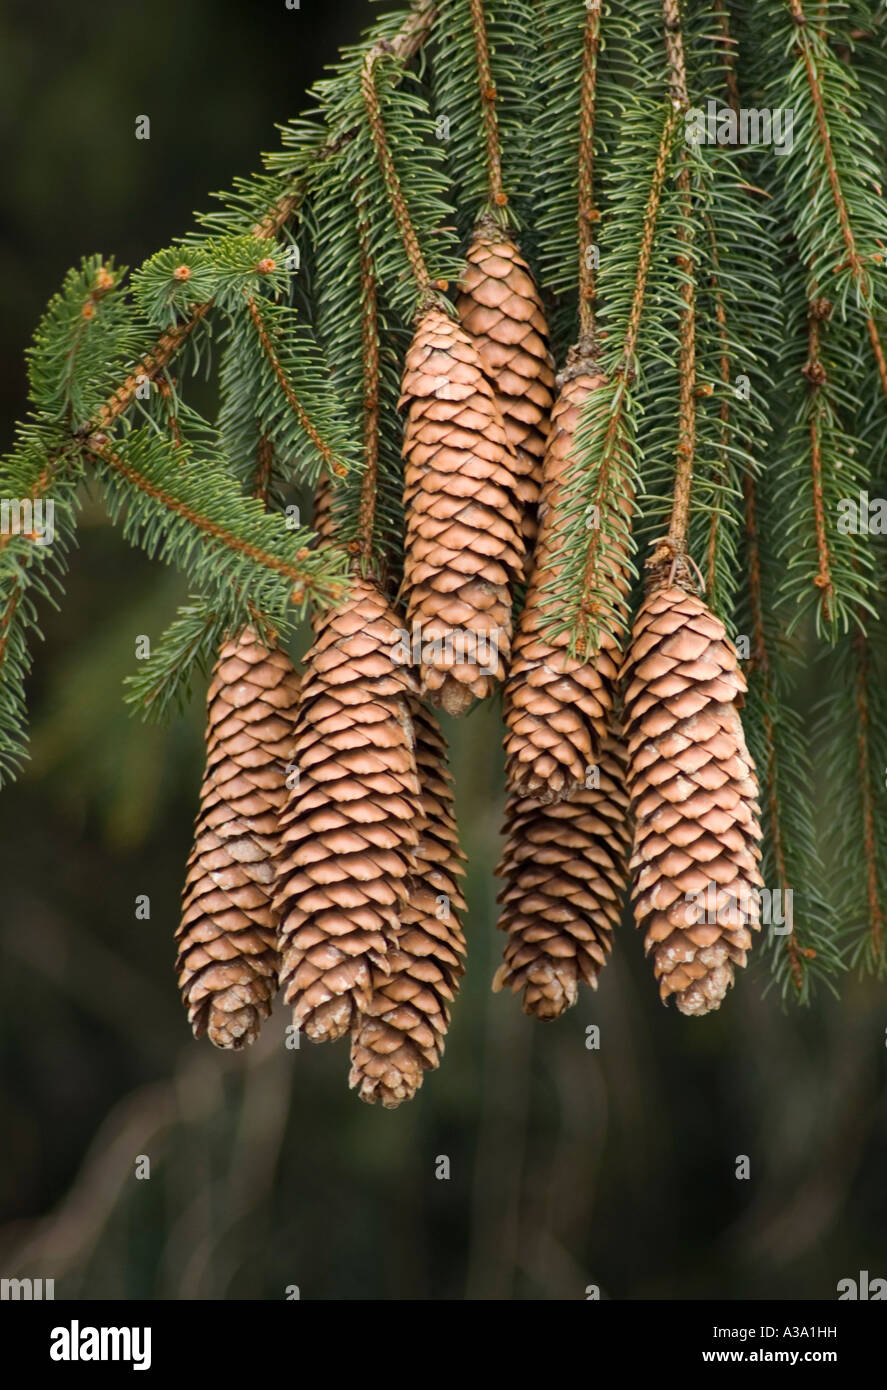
500	307
349	829
693	793
564	866
557	707
401	1033
463	540
227	940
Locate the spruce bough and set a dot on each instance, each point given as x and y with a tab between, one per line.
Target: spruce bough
645	372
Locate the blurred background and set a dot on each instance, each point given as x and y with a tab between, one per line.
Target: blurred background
567	1167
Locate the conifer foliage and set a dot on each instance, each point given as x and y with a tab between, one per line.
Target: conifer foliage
571	314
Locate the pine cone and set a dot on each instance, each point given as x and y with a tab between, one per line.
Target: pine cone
693	793
564	866
499	305
463	540
401	1033
227	957
349	829
557	707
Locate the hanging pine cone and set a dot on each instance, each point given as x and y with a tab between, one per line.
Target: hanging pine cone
227	954
500	307
463	540
401	1033
564	866
557	707
693	793
349	829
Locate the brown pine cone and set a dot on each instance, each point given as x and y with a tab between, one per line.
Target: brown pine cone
693	794
564	866
463	539
349	829
499	305
401	1033
227	953
557	707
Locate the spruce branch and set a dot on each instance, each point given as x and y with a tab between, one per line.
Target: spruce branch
603	481
489	96
808	950
815	54
196	517
369	320
587	214
413	251
675	546
330	456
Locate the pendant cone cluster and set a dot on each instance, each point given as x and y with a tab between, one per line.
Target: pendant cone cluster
327	858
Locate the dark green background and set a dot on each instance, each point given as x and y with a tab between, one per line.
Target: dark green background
568	1167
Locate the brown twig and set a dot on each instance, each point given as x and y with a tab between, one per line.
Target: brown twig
720	473
854	261
686	449
614	439
388	169
99	445
817	313
370	343
587	214
488	97
329	457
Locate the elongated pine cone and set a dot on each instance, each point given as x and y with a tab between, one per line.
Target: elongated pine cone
400	1034
227	940
564	866
693	793
557	707
463	534
349	829
499	305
